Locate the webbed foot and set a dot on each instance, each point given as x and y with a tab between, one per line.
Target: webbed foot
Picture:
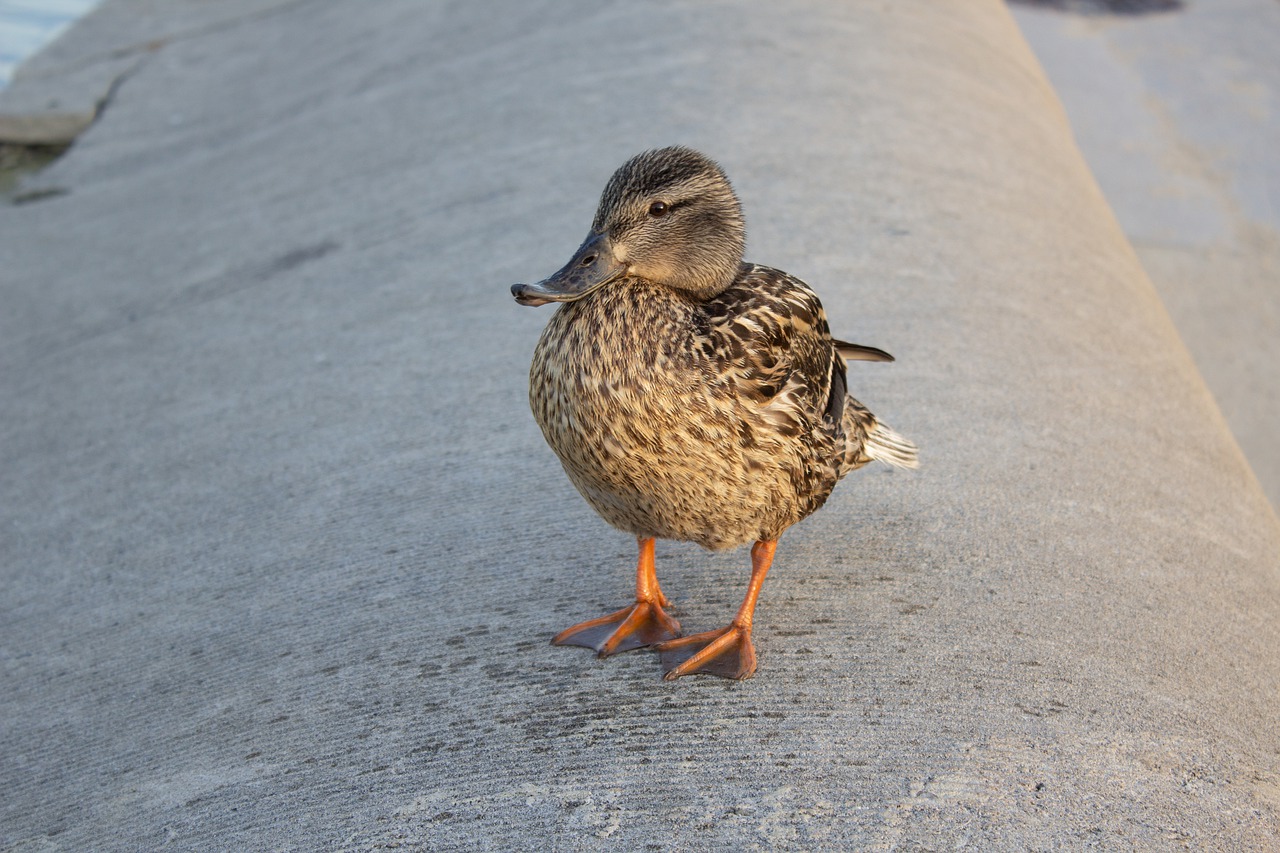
642	624
726	652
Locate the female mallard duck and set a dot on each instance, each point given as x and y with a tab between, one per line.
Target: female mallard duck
692	396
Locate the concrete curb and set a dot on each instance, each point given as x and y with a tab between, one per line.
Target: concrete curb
1158	106
283	547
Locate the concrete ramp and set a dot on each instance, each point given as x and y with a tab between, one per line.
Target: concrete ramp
282	548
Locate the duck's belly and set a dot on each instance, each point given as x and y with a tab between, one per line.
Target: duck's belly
657	451
652	474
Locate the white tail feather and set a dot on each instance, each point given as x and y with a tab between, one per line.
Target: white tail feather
885	445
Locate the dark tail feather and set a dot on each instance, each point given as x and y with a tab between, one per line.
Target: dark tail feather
857	352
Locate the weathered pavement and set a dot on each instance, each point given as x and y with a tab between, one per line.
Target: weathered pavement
282	547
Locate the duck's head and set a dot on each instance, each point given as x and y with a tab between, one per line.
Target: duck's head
667	216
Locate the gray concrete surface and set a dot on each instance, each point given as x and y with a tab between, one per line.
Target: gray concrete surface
58	92
283	549
26	26
1178	116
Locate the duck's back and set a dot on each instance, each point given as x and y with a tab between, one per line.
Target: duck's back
717	422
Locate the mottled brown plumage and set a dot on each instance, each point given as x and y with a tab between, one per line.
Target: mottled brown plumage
692	396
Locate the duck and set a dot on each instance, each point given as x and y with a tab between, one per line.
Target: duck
692	396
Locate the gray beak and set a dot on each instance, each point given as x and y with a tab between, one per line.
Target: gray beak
591	267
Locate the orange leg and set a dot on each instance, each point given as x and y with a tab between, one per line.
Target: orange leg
726	652
642	624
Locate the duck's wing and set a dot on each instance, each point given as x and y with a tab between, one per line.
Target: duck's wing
769	342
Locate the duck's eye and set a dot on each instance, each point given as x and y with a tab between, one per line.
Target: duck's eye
658	208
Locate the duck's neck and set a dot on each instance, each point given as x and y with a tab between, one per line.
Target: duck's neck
701	283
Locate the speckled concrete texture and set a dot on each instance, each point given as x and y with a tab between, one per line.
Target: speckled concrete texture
283	548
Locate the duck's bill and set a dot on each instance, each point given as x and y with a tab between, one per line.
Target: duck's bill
591	268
